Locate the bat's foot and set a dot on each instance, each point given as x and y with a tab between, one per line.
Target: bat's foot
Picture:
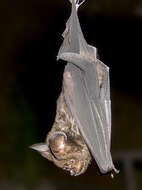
114	172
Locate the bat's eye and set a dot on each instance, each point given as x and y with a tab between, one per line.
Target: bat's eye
72	161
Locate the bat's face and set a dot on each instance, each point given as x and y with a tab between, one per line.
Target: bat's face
74	166
68	153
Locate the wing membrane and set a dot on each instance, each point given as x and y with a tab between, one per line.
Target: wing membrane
87	100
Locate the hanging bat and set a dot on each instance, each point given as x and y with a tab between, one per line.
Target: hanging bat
82	127
64	144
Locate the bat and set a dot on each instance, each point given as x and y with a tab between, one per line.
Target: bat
64	144
82	127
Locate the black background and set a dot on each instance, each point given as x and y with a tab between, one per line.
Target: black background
31	80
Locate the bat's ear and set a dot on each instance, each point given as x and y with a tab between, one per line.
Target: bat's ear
57	142
40	147
43	149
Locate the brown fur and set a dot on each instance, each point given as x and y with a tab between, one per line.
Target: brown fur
64	145
69	152
67	148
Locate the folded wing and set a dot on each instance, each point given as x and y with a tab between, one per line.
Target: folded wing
87	100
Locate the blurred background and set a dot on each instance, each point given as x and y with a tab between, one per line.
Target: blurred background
31	79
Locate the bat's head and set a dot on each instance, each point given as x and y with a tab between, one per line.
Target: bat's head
66	153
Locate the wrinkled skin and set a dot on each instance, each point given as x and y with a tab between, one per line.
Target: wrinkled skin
64	145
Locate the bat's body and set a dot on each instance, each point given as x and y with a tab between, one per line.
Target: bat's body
87	105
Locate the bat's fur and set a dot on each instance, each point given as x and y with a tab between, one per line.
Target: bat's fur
67	148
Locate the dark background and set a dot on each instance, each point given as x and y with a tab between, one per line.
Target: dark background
31	79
